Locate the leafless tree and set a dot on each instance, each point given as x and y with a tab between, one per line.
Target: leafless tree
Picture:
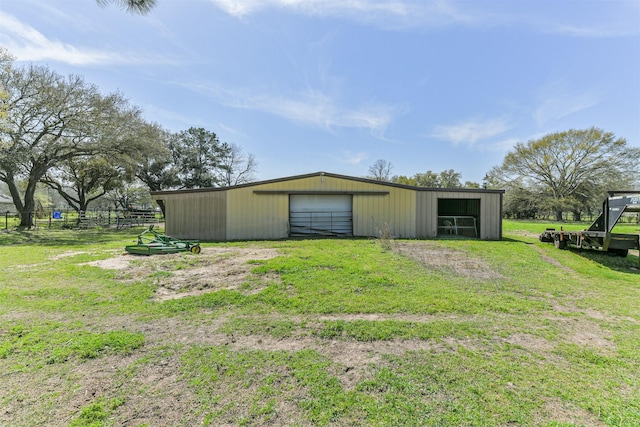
381	170
236	167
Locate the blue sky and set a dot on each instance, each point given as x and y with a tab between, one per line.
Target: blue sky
334	85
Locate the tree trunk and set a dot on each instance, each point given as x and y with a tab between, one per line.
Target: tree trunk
29	209
577	216
26	209
15	194
559	215
162	206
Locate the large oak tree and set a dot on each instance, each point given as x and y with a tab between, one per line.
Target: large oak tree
568	170
52	119
85	179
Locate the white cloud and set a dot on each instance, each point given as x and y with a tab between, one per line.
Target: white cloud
555	101
313	108
596	20
383	13
605	19
600	31
554	108
313	7
28	44
353	158
239	8
503	145
471	131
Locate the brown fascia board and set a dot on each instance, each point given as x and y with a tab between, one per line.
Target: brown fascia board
327	174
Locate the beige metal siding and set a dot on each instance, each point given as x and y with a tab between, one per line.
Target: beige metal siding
256	216
426	214
266	216
394	212
261	210
197	215
491	216
490	221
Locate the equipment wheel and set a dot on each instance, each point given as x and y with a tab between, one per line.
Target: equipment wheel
195	249
619	252
560	244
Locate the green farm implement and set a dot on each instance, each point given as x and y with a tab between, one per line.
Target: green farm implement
150	242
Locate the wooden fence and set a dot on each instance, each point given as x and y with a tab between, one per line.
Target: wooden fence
115	218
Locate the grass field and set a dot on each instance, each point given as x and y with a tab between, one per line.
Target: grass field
317	332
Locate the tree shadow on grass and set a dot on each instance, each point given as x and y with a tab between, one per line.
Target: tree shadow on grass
520	240
629	264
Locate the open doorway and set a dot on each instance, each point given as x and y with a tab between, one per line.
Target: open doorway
459	217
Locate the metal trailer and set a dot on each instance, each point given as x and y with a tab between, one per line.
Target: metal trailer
599	235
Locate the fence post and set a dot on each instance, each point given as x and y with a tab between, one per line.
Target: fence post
6	220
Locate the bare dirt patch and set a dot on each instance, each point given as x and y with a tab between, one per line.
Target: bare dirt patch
564	412
119	262
553	261
525	233
184	274
66	254
585	333
531	342
448	260
158	392
353	359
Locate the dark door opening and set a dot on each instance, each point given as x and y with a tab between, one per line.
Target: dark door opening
459	217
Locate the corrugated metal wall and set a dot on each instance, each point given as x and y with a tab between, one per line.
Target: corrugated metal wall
491	214
255	215
261	211
490	220
394	211
201	215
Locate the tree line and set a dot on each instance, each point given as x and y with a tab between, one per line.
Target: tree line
381	171
63	133
561	173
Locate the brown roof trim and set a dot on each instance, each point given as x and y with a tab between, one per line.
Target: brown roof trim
330	175
316	192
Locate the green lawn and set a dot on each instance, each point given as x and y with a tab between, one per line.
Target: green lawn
317	332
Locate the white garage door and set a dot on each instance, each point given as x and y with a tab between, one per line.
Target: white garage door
320	215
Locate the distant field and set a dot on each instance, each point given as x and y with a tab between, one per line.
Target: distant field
317	332
538	226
